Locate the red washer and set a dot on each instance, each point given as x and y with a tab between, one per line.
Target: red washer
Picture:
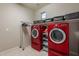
58	36
36	36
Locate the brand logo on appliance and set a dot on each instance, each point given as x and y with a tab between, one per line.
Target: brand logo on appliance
63	25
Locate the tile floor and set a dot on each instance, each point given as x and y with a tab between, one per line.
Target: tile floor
19	52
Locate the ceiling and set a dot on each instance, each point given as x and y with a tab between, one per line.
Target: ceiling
35	6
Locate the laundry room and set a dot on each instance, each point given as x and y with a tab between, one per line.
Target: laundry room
39	29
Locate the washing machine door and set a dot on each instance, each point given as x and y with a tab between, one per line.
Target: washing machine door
57	35
34	33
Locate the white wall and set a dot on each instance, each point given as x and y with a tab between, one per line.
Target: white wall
59	9
10	17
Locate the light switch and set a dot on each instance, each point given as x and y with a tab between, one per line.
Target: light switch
7	29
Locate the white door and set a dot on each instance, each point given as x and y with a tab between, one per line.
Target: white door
34	33
57	35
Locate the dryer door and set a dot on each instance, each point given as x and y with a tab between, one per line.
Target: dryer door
34	33
57	35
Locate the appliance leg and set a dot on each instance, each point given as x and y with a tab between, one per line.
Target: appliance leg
23	49
20	47
21	38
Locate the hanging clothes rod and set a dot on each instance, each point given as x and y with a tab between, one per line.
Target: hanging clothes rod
21	35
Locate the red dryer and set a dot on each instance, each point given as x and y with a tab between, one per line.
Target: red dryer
36	36
58	36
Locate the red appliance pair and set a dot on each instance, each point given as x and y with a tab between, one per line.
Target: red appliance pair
58	39
36	36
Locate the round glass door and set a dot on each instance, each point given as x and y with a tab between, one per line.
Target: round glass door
57	35
34	33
